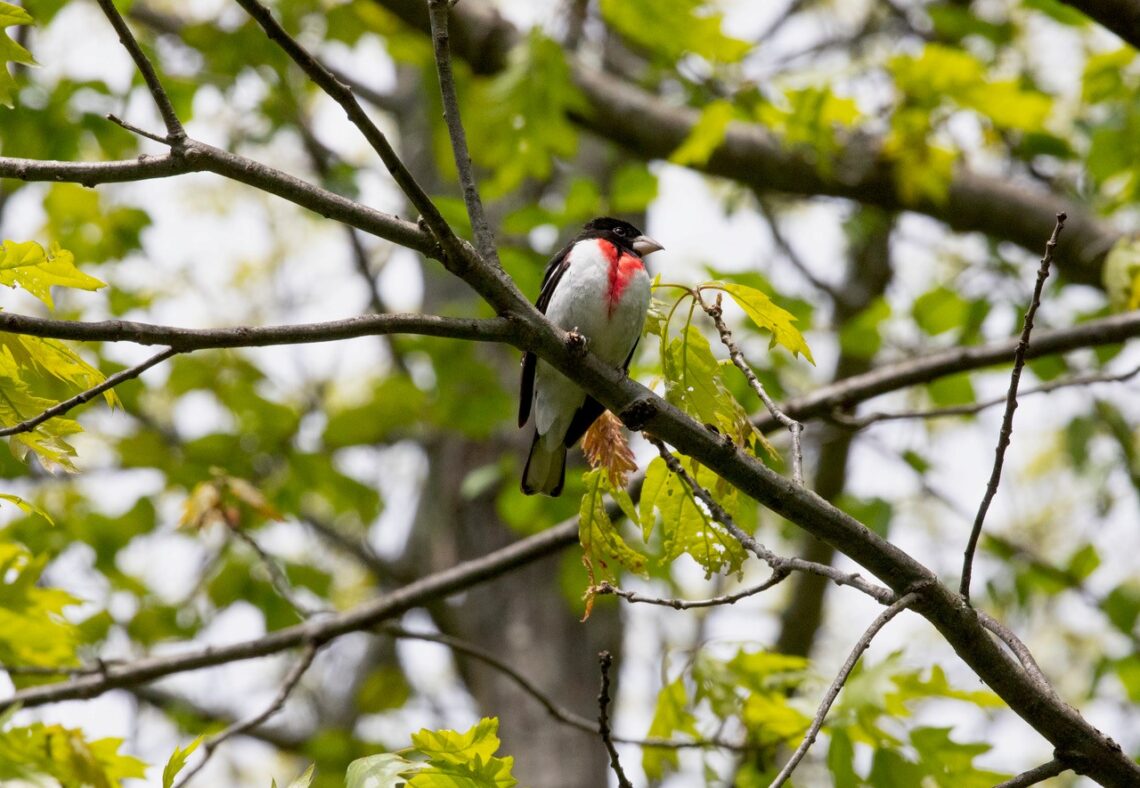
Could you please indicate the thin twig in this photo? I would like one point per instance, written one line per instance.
(794, 427)
(790, 254)
(287, 686)
(1006, 433)
(1035, 775)
(862, 645)
(46, 670)
(556, 711)
(605, 660)
(484, 239)
(777, 563)
(277, 577)
(86, 396)
(133, 129)
(1019, 649)
(859, 422)
(342, 95)
(688, 604)
(174, 129)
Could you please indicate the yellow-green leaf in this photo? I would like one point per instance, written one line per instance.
(26, 506)
(11, 51)
(767, 315)
(178, 760)
(685, 525)
(27, 264)
(604, 549)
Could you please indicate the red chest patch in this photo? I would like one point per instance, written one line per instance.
(623, 267)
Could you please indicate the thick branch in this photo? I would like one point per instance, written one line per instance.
(653, 128)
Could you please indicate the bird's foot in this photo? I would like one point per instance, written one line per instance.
(577, 343)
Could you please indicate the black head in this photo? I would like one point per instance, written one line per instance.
(622, 234)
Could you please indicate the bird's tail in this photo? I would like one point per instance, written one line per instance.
(545, 470)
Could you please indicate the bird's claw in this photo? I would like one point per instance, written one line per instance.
(577, 343)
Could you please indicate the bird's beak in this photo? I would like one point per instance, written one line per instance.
(644, 245)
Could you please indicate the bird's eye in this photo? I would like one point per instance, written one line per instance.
(619, 230)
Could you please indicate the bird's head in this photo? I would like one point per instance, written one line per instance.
(622, 234)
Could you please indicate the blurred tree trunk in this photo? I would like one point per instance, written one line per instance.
(867, 277)
(522, 617)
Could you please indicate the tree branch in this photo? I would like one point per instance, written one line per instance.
(318, 630)
(653, 128)
(860, 422)
(86, 396)
(688, 604)
(778, 563)
(793, 426)
(342, 95)
(484, 239)
(176, 134)
(1006, 434)
(292, 678)
(1035, 775)
(832, 693)
(180, 340)
(605, 660)
(901, 374)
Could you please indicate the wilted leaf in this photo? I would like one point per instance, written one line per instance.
(605, 447)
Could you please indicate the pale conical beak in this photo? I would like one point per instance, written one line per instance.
(644, 245)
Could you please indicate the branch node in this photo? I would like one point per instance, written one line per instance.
(637, 415)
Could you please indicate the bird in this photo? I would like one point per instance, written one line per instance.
(597, 286)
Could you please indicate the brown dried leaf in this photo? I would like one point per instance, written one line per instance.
(605, 446)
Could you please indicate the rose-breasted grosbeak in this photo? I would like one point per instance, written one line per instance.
(596, 285)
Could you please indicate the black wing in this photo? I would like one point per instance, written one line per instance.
(550, 279)
(590, 410)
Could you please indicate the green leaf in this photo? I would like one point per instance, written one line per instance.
(10, 51)
(1121, 274)
(861, 336)
(841, 760)
(767, 315)
(678, 27)
(939, 310)
(454, 747)
(519, 121)
(1122, 606)
(632, 189)
(770, 720)
(33, 629)
(27, 264)
(694, 383)
(706, 135)
(671, 716)
(53, 751)
(603, 549)
(178, 760)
